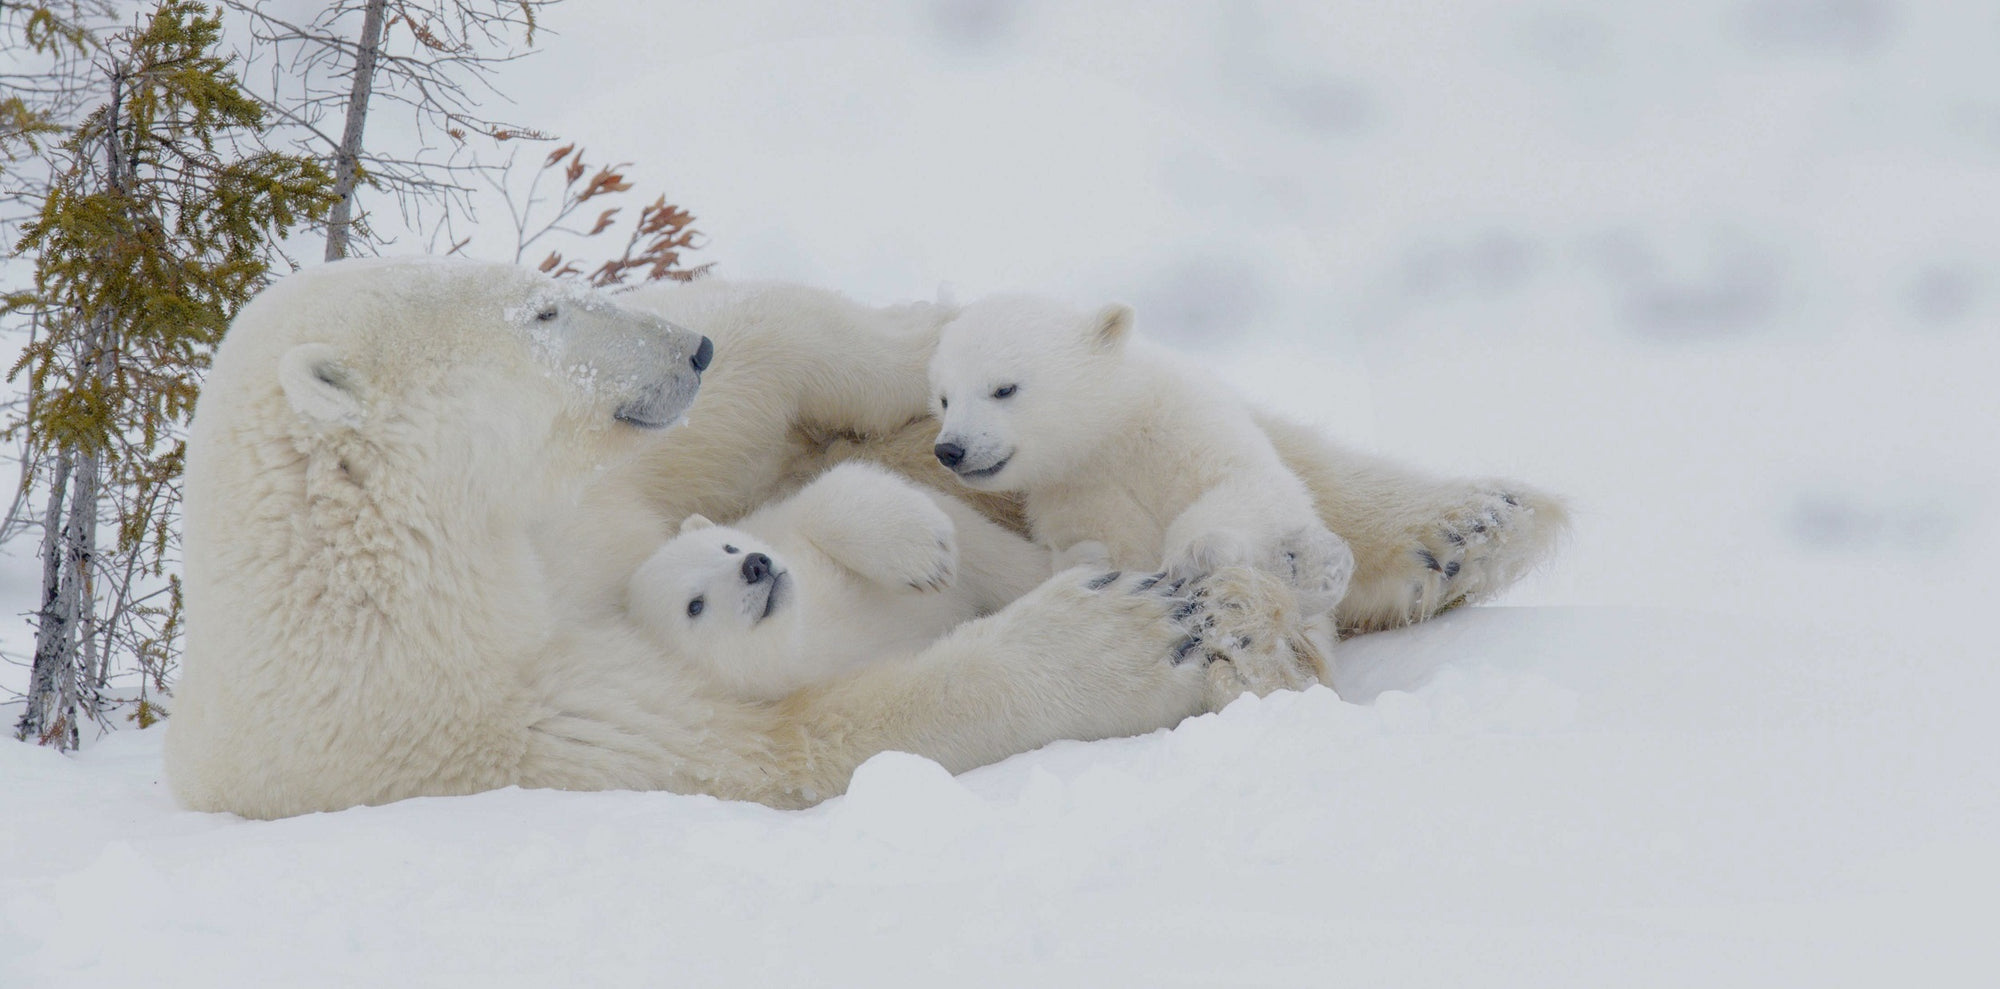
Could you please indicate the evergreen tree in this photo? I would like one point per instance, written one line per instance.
(162, 217)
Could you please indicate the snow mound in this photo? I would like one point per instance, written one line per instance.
(1502, 796)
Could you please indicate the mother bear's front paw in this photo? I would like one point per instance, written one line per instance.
(1151, 619)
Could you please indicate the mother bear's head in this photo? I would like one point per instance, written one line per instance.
(370, 450)
(398, 351)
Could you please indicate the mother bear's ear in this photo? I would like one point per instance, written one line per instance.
(320, 388)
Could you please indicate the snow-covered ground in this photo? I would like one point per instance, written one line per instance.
(1728, 273)
(1510, 796)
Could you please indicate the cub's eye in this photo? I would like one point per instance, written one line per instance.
(1004, 391)
(726, 548)
(694, 607)
(546, 314)
(943, 402)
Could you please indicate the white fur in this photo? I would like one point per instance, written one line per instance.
(415, 589)
(806, 378)
(859, 567)
(1122, 452)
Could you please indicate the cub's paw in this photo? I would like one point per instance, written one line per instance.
(1318, 564)
(1254, 637)
(928, 560)
(1089, 553)
(1215, 549)
(915, 550)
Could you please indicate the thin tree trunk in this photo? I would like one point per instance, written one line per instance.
(54, 686)
(347, 158)
(51, 621)
(65, 676)
(79, 552)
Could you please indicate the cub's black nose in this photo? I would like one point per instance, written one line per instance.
(703, 354)
(949, 454)
(756, 568)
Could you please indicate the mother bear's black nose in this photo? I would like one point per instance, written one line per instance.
(756, 568)
(703, 354)
(949, 454)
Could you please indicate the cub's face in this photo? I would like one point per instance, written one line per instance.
(1016, 385)
(713, 587)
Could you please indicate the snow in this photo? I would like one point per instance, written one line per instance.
(1531, 796)
(1723, 271)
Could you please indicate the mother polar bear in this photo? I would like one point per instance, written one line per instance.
(415, 488)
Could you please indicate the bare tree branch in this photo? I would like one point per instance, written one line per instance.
(436, 59)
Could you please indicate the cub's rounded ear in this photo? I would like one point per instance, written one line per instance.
(320, 388)
(695, 523)
(1111, 326)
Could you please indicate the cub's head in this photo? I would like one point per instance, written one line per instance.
(1016, 385)
(445, 376)
(714, 589)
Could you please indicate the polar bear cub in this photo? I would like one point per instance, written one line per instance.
(1123, 453)
(860, 566)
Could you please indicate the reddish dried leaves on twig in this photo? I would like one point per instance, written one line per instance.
(655, 241)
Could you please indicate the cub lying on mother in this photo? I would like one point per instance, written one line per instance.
(416, 488)
(859, 567)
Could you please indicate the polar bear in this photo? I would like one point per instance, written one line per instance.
(394, 489)
(859, 567)
(1121, 450)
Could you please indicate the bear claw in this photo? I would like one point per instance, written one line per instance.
(1186, 646)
